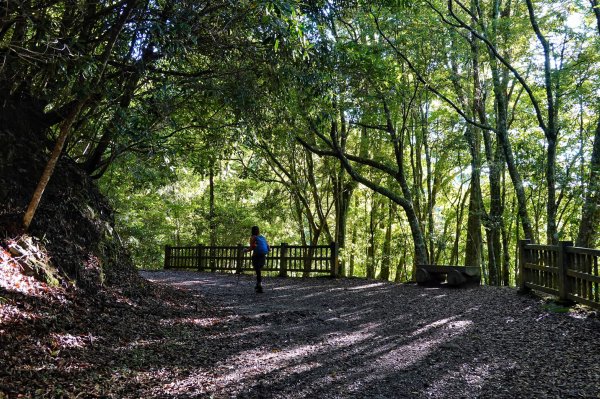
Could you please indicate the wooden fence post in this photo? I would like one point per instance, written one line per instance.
(283, 260)
(523, 258)
(201, 257)
(239, 259)
(167, 264)
(198, 252)
(563, 265)
(334, 258)
(212, 257)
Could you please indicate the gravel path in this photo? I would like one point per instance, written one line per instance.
(355, 338)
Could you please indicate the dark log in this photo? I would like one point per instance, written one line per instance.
(456, 277)
(423, 276)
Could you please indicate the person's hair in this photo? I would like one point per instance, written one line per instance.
(255, 231)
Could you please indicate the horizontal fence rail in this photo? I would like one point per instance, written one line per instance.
(284, 259)
(569, 272)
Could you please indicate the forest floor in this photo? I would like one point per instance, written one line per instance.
(209, 335)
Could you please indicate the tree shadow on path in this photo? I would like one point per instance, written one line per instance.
(360, 338)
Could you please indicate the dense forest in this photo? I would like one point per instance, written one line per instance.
(403, 133)
(425, 132)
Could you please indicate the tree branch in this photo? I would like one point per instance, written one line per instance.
(425, 83)
(504, 62)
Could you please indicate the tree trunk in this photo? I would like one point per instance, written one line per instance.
(352, 252)
(401, 266)
(310, 177)
(405, 202)
(310, 253)
(300, 218)
(342, 194)
(517, 184)
(551, 228)
(550, 128)
(421, 257)
(505, 257)
(65, 129)
(93, 161)
(596, 9)
(387, 253)
(454, 257)
(373, 215)
(431, 185)
(341, 221)
(342, 191)
(474, 239)
(499, 82)
(212, 223)
(589, 233)
(473, 135)
(93, 165)
(495, 223)
(505, 233)
(66, 125)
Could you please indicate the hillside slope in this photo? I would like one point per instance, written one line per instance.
(74, 220)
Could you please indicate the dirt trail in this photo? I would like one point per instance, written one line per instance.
(323, 338)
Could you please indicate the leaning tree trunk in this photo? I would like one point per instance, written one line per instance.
(66, 125)
(65, 129)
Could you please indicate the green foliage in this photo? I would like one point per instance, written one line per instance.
(190, 90)
(160, 205)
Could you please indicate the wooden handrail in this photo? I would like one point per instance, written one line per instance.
(284, 258)
(572, 273)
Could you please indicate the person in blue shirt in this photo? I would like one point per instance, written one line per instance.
(259, 248)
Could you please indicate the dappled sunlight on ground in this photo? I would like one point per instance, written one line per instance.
(366, 287)
(357, 338)
(13, 278)
(435, 324)
(315, 338)
(66, 340)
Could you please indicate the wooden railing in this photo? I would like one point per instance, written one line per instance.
(284, 259)
(569, 272)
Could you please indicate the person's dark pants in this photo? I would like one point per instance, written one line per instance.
(258, 262)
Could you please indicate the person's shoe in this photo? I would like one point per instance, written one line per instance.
(258, 289)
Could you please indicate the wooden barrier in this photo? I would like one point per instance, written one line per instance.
(284, 259)
(568, 272)
(454, 275)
